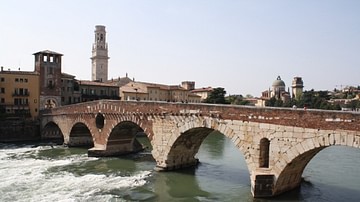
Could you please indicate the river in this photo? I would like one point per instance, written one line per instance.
(56, 173)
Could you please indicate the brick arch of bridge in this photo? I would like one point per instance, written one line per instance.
(63, 123)
(299, 155)
(81, 120)
(184, 140)
(50, 130)
(114, 120)
(66, 124)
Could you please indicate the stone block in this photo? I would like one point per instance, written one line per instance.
(350, 140)
(300, 148)
(337, 138)
(356, 143)
(343, 138)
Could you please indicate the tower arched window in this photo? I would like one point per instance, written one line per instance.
(264, 153)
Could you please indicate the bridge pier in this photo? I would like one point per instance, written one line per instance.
(262, 185)
(173, 164)
(116, 148)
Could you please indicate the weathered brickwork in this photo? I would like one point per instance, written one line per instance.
(177, 130)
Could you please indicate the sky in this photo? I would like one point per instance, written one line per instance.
(239, 45)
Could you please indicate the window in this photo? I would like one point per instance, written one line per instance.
(2, 79)
(51, 58)
(50, 84)
(45, 58)
(2, 90)
(21, 80)
(50, 70)
(25, 80)
(2, 100)
(16, 79)
(264, 153)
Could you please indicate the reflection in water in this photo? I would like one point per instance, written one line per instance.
(214, 144)
(178, 186)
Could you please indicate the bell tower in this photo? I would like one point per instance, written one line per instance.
(99, 59)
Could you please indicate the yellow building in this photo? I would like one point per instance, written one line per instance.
(19, 93)
(203, 92)
(157, 92)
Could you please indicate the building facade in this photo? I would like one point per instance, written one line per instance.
(202, 92)
(91, 90)
(157, 92)
(70, 90)
(297, 87)
(19, 93)
(99, 59)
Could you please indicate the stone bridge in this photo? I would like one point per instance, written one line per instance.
(277, 143)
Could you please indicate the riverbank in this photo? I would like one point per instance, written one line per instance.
(19, 130)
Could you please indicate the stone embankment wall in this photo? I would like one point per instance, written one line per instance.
(19, 130)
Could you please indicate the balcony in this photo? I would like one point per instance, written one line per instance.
(21, 94)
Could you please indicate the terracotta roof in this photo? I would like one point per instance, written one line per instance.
(48, 52)
(19, 72)
(67, 75)
(95, 83)
(142, 87)
(120, 81)
(207, 89)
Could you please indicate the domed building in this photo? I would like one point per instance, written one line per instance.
(278, 91)
(278, 88)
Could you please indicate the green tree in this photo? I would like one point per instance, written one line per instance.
(237, 100)
(217, 96)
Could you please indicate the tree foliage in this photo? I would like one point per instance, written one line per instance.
(237, 100)
(309, 99)
(217, 96)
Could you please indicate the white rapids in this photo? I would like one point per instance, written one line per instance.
(27, 178)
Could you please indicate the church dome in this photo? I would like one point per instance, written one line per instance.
(278, 82)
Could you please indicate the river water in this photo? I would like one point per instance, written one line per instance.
(45, 173)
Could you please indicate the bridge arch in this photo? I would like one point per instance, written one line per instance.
(184, 143)
(80, 135)
(52, 132)
(122, 139)
(303, 152)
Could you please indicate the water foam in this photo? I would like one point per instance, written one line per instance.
(25, 178)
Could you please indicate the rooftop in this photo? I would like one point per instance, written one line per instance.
(48, 52)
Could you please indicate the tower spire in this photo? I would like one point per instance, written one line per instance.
(100, 57)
